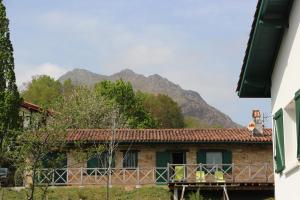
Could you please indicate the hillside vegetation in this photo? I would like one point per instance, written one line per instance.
(140, 110)
(190, 102)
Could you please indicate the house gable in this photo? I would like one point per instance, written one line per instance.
(270, 21)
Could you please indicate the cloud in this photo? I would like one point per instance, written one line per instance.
(24, 73)
(145, 55)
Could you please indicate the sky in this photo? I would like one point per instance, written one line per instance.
(197, 44)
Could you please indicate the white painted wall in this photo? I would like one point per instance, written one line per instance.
(285, 82)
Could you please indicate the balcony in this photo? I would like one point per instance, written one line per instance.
(174, 174)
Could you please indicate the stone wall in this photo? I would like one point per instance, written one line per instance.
(241, 153)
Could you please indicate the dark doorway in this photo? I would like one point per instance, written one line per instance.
(178, 158)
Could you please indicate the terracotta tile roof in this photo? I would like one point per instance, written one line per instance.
(230, 135)
(34, 108)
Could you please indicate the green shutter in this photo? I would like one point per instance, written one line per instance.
(227, 159)
(130, 159)
(279, 142)
(201, 157)
(297, 105)
(93, 162)
(162, 160)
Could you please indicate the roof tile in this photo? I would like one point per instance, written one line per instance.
(171, 135)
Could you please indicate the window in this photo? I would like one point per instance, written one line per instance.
(279, 141)
(297, 107)
(130, 159)
(99, 161)
(214, 158)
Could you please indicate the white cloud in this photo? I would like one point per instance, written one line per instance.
(24, 73)
(142, 55)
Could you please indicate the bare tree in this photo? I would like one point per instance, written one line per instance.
(81, 109)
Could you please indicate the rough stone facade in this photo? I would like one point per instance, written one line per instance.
(256, 155)
(241, 153)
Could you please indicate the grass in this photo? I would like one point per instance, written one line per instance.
(93, 193)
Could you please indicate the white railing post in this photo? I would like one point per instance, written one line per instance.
(81, 178)
(266, 171)
(110, 178)
(232, 172)
(250, 172)
(184, 172)
(201, 167)
(168, 173)
(154, 175)
(53, 175)
(123, 174)
(138, 177)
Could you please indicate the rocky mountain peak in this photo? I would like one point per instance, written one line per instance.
(191, 102)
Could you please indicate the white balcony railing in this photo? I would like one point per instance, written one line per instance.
(229, 173)
(193, 173)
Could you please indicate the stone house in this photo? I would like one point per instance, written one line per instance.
(150, 156)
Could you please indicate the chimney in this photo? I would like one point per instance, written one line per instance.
(258, 123)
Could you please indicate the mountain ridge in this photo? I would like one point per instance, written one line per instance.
(191, 102)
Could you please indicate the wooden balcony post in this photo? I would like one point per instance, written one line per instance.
(266, 171)
(138, 177)
(175, 194)
(168, 172)
(232, 172)
(81, 178)
(53, 180)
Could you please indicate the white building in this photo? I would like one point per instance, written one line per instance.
(271, 68)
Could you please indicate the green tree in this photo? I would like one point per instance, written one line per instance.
(42, 90)
(166, 111)
(9, 95)
(67, 87)
(121, 94)
(83, 108)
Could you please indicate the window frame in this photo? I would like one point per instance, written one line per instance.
(99, 164)
(126, 158)
(219, 153)
(226, 157)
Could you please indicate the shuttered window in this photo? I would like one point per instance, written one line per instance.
(162, 160)
(201, 157)
(100, 161)
(130, 159)
(297, 105)
(207, 156)
(279, 142)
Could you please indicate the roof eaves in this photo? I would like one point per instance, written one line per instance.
(275, 26)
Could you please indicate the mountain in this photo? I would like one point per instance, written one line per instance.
(191, 103)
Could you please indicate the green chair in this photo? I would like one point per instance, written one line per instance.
(179, 173)
(200, 176)
(219, 176)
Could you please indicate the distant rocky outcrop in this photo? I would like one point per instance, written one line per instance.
(191, 103)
